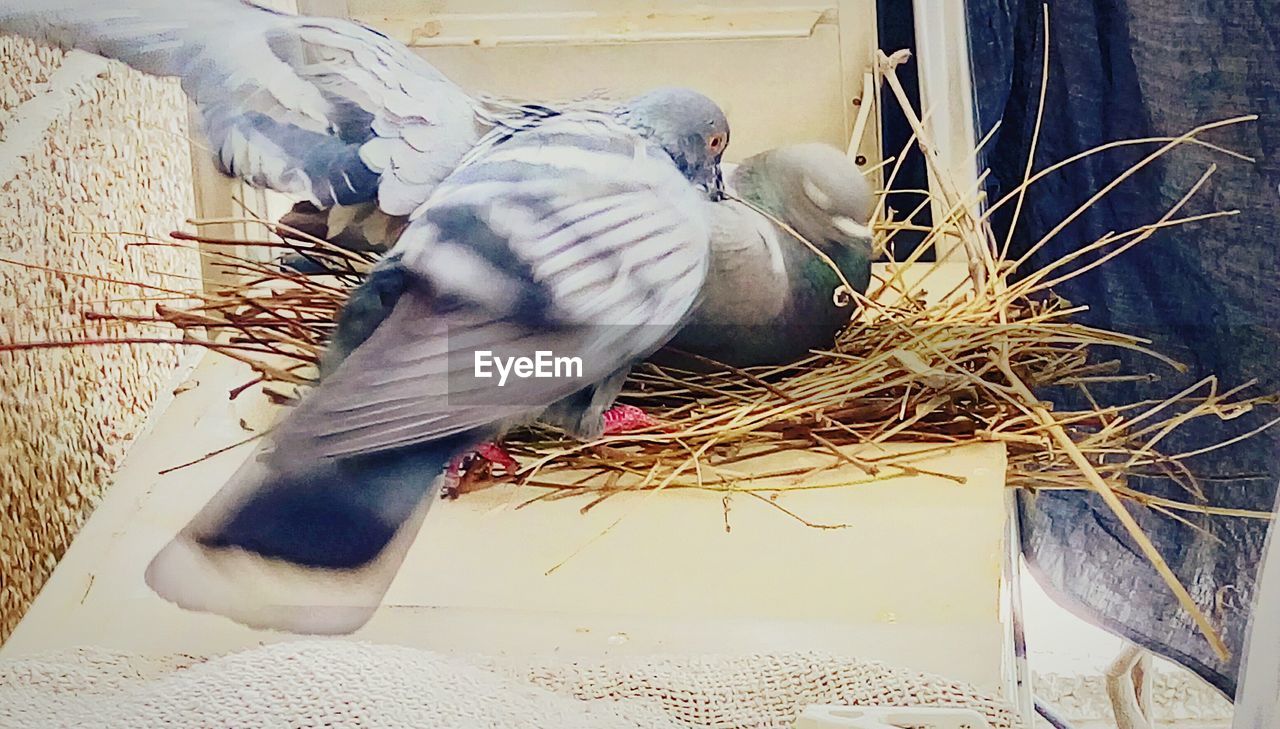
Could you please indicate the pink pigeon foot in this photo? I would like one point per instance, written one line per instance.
(467, 471)
(496, 456)
(621, 419)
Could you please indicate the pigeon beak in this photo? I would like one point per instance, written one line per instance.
(714, 189)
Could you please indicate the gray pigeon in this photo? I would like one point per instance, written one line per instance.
(579, 237)
(769, 300)
(578, 234)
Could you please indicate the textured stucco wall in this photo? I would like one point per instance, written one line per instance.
(86, 148)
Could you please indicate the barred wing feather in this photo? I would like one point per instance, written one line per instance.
(321, 109)
(538, 246)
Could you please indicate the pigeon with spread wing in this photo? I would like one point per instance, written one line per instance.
(581, 234)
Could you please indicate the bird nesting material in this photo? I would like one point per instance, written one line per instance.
(935, 368)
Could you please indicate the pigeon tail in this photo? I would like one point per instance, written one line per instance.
(309, 550)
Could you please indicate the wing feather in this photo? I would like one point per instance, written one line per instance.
(629, 259)
(288, 103)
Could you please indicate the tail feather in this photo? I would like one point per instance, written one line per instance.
(306, 550)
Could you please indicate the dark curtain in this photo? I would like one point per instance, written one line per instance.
(1206, 294)
(896, 30)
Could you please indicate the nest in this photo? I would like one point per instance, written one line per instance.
(934, 368)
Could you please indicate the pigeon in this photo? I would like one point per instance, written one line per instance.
(769, 299)
(580, 233)
(581, 237)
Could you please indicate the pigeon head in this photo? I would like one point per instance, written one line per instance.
(814, 188)
(688, 126)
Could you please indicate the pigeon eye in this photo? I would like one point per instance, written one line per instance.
(716, 143)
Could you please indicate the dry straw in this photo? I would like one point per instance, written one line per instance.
(938, 371)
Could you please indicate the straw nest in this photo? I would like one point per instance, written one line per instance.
(929, 367)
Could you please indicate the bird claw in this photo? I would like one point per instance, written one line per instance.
(467, 472)
(621, 419)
